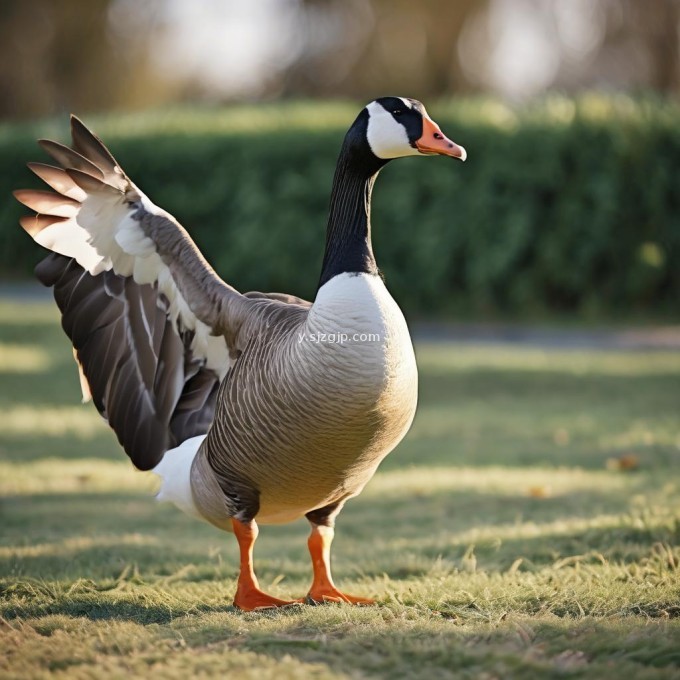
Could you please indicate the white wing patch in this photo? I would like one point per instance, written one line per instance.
(94, 224)
(70, 239)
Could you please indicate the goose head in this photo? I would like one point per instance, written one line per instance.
(387, 128)
(395, 127)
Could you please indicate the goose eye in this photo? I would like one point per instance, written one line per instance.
(397, 112)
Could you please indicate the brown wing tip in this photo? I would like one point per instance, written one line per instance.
(89, 183)
(36, 167)
(69, 158)
(47, 144)
(43, 170)
(30, 224)
(78, 124)
(34, 224)
(41, 200)
(87, 143)
(23, 195)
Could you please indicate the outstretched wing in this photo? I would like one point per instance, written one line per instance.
(138, 369)
(150, 320)
(100, 218)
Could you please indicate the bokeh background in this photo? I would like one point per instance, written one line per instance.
(123, 55)
(230, 114)
(528, 526)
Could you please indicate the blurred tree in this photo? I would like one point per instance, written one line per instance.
(103, 54)
(640, 44)
(523, 47)
(616, 44)
(57, 55)
(61, 55)
(362, 47)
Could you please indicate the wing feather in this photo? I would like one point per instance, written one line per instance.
(47, 202)
(133, 360)
(58, 179)
(68, 158)
(90, 184)
(91, 147)
(147, 316)
(34, 224)
(99, 218)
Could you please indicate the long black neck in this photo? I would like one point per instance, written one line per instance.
(348, 235)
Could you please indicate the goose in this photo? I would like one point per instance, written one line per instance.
(254, 408)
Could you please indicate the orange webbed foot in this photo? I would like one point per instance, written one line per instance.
(254, 599)
(249, 597)
(323, 589)
(332, 594)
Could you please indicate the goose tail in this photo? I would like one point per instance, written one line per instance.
(174, 470)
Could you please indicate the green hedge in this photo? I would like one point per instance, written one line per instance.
(567, 205)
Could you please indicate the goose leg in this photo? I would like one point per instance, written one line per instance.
(323, 589)
(248, 594)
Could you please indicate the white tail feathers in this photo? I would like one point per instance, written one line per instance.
(175, 473)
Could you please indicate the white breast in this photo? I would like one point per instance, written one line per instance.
(355, 322)
(354, 371)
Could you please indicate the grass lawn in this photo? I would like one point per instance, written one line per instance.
(504, 538)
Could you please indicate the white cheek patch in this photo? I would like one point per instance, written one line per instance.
(386, 137)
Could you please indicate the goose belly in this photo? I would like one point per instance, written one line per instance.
(351, 386)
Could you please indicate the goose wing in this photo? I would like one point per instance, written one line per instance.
(152, 325)
(135, 365)
(279, 297)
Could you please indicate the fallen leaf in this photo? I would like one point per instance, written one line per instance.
(539, 491)
(628, 461)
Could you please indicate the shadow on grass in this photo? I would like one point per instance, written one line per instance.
(145, 614)
(490, 417)
(97, 535)
(512, 649)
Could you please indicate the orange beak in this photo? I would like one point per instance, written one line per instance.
(434, 141)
